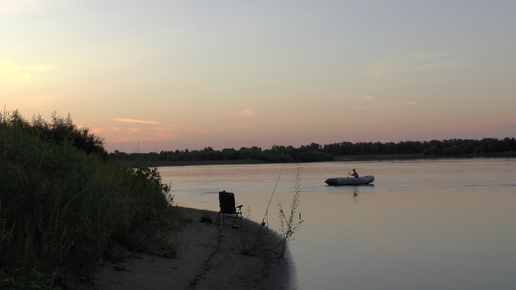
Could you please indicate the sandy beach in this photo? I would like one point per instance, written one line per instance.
(209, 257)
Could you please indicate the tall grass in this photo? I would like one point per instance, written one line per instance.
(249, 243)
(288, 224)
(63, 208)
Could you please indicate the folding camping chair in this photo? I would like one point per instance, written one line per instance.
(228, 209)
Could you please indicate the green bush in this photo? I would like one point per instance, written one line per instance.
(63, 207)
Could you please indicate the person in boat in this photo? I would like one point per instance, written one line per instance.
(355, 174)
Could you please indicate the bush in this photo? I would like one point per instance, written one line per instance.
(63, 207)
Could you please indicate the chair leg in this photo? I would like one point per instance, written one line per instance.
(217, 221)
(235, 217)
(234, 221)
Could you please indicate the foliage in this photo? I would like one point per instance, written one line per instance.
(316, 153)
(19, 278)
(63, 208)
(62, 130)
(289, 226)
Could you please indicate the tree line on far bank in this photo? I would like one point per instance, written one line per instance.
(316, 153)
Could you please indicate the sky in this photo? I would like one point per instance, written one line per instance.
(172, 75)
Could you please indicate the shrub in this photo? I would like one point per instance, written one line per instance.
(63, 207)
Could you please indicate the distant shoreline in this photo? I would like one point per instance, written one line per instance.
(422, 156)
(344, 158)
(344, 151)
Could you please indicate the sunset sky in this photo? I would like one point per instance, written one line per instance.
(167, 75)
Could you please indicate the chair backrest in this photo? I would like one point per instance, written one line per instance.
(227, 202)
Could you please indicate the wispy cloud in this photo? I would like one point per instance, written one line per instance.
(367, 98)
(136, 121)
(36, 67)
(361, 109)
(163, 133)
(246, 113)
(20, 72)
(405, 104)
(97, 131)
(16, 77)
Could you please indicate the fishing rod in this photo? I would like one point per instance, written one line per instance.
(270, 200)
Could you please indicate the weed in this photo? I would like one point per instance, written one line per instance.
(288, 224)
(249, 243)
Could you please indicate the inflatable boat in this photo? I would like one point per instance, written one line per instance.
(350, 180)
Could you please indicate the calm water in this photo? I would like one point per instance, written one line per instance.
(440, 224)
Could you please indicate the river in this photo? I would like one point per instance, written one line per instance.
(423, 224)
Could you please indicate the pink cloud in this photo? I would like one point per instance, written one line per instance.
(136, 121)
(246, 113)
(405, 104)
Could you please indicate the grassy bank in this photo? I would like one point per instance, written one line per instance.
(63, 208)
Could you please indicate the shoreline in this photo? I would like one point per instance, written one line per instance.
(209, 257)
(339, 158)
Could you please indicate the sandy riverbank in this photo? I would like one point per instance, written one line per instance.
(209, 257)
